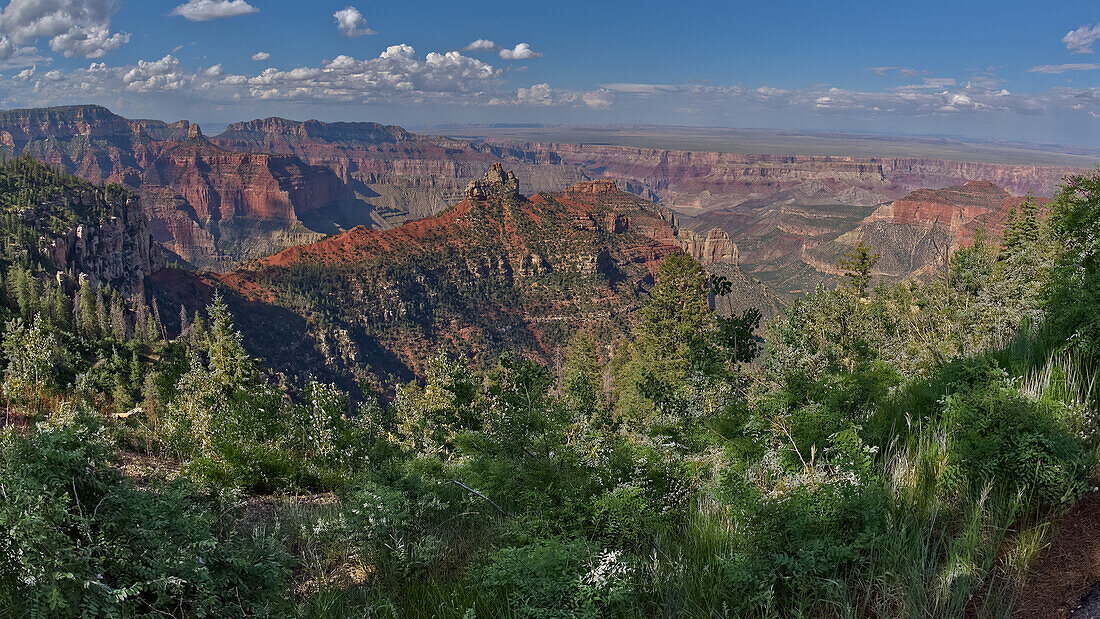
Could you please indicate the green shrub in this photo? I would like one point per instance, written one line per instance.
(81, 540)
(999, 436)
(551, 578)
(795, 550)
(408, 530)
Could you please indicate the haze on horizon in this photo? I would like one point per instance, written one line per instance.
(987, 71)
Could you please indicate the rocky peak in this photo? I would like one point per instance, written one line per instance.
(496, 183)
(194, 132)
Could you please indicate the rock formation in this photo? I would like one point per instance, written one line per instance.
(496, 271)
(495, 183)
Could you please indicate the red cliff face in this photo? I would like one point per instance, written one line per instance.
(222, 185)
(496, 270)
(415, 174)
(917, 230)
(200, 199)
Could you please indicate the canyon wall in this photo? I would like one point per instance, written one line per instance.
(694, 182)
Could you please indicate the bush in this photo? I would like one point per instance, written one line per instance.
(408, 530)
(81, 540)
(795, 550)
(998, 436)
(551, 578)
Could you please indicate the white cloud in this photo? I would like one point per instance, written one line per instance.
(206, 10)
(1062, 68)
(1080, 41)
(544, 95)
(637, 89)
(73, 27)
(537, 94)
(158, 76)
(522, 51)
(481, 45)
(597, 100)
(14, 56)
(351, 23)
(261, 56)
(91, 42)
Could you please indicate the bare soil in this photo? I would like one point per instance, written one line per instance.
(1068, 569)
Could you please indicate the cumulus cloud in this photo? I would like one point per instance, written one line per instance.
(91, 42)
(206, 10)
(1062, 68)
(261, 56)
(544, 95)
(522, 51)
(1080, 41)
(397, 75)
(14, 56)
(158, 76)
(73, 27)
(351, 23)
(481, 45)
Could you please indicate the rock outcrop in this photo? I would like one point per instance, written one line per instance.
(496, 271)
(715, 247)
(496, 183)
(912, 233)
(118, 250)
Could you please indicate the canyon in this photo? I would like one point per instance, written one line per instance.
(265, 185)
(496, 271)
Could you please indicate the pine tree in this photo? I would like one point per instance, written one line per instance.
(84, 309)
(857, 264)
(118, 318)
(228, 358)
(671, 341)
(141, 320)
(156, 327)
(101, 313)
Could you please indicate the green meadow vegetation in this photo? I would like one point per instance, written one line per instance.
(875, 451)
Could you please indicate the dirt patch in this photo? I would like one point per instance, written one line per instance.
(1068, 569)
(146, 471)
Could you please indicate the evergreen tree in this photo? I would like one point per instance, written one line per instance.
(84, 308)
(60, 308)
(185, 324)
(857, 264)
(101, 313)
(197, 332)
(228, 359)
(671, 341)
(156, 327)
(118, 318)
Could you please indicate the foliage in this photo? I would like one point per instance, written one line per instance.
(872, 454)
(81, 541)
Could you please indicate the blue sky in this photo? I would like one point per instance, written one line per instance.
(988, 70)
